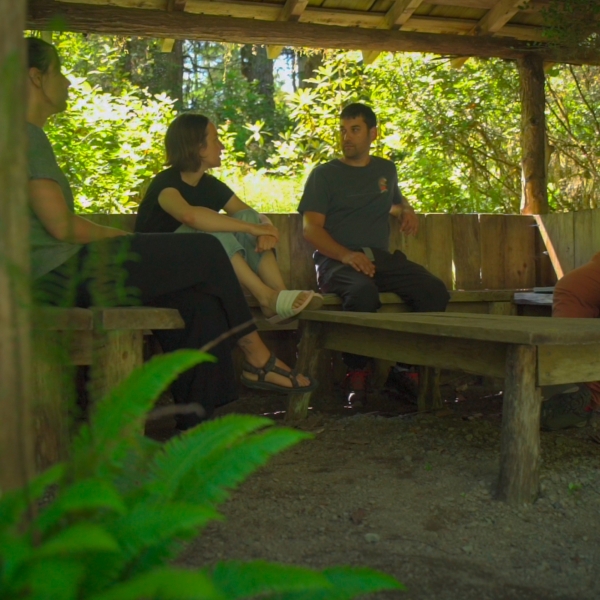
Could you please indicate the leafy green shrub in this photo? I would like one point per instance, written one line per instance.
(123, 505)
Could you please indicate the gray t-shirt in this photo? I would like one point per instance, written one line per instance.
(47, 252)
(356, 201)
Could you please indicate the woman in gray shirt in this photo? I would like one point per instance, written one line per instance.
(91, 264)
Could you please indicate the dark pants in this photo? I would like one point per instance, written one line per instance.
(188, 272)
(421, 290)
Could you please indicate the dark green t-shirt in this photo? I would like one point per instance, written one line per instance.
(356, 201)
(47, 253)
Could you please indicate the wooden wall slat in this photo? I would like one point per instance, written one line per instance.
(519, 264)
(302, 269)
(583, 237)
(415, 246)
(282, 222)
(466, 252)
(493, 251)
(557, 232)
(439, 246)
(545, 276)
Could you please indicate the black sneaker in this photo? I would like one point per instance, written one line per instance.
(567, 410)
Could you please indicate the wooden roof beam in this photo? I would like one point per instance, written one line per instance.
(494, 20)
(400, 12)
(291, 11)
(47, 14)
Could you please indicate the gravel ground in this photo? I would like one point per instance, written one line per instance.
(412, 495)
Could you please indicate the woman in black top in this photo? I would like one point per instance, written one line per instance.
(93, 264)
(186, 199)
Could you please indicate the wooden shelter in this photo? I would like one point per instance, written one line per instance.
(508, 29)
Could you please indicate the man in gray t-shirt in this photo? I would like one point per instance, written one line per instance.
(346, 206)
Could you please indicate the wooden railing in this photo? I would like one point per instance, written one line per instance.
(467, 251)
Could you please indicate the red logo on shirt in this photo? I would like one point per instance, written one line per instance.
(383, 187)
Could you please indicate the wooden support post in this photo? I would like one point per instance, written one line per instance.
(115, 355)
(534, 192)
(520, 451)
(52, 396)
(16, 431)
(430, 397)
(310, 359)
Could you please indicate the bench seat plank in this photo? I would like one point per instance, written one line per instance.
(485, 327)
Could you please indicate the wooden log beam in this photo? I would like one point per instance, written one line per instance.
(47, 14)
(534, 192)
(498, 17)
(291, 11)
(16, 422)
(168, 44)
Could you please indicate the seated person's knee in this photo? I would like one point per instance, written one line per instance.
(362, 297)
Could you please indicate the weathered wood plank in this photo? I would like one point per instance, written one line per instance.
(519, 266)
(414, 246)
(138, 317)
(439, 246)
(557, 232)
(568, 364)
(62, 319)
(282, 222)
(302, 268)
(471, 356)
(466, 252)
(493, 249)
(520, 446)
(583, 237)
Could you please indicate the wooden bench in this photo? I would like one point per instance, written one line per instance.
(528, 352)
(108, 339)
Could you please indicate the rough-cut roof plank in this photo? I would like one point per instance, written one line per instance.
(498, 17)
(400, 12)
(160, 24)
(175, 5)
(291, 11)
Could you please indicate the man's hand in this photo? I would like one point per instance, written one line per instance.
(265, 242)
(409, 222)
(359, 262)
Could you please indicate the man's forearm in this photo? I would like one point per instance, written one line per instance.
(324, 243)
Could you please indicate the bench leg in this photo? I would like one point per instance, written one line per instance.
(520, 451)
(310, 359)
(116, 355)
(430, 397)
(52, 397)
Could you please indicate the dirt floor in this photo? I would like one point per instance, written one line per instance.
(412, 495)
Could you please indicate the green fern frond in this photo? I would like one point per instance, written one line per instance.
(151, 526)
(226, 467)
(187, 452)
(81, 497)
(122, 411)
(81, 538)
(50, 579)
(259, 578)
(166, 584)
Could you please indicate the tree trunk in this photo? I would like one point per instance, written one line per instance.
(534, 194)
(16, 436)
(257, 66)
(307, 67)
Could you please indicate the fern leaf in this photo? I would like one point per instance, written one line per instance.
(79, 539)
(14, 551)
(151, 526)
(51, 579)
(245, 580)
(14, 504)
(184, 454)
(124, 408)
(346, 583)
(227, 467)
(83, 496)
(166, 584)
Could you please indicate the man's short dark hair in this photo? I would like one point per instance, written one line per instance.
(185, 136)
(356, 109)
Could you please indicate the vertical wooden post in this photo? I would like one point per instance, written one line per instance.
(534, 192)
(309, 361)
(520, 451)
(430, 397)
(16, 435)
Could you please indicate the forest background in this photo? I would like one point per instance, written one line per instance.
(453, 133)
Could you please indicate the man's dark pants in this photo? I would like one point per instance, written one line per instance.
(421, 290)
